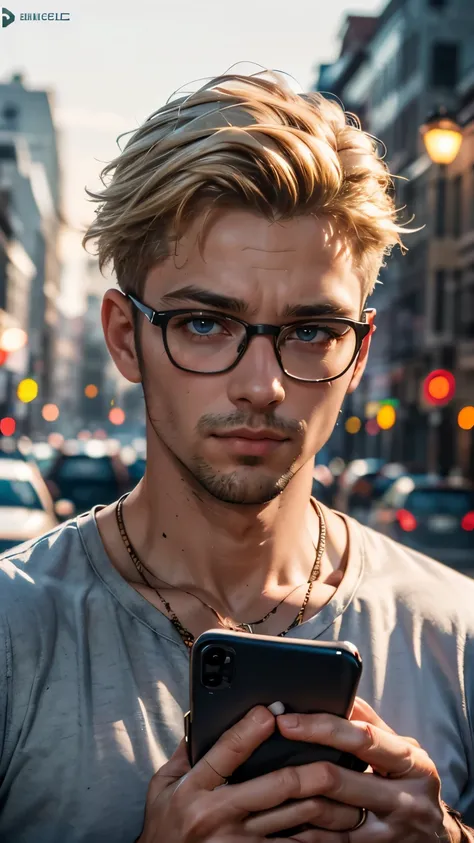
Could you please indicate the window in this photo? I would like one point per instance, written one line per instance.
(18, 493)
(457, 205)
(444, 65)
(440, 208)
(409, 57)
(440, 284)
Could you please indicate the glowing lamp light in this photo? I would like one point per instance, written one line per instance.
(50, 412)
(13, 339)
(466, 418)
(442, 138)
(116, 416)
(91, 391)
(3, 356)
(353, 425)
(439, 387)
(27, 390)
(7, 427)
(386, 417)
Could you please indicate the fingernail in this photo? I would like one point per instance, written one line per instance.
(289, 721)
(277, 708)
(260, 715)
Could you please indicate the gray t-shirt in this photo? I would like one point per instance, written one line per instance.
(94, 680)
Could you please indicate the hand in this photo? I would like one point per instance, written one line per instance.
(401, 792)
(190, 805)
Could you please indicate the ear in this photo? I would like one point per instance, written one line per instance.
(117, 324)
(364, 353)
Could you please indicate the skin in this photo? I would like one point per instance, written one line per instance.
(211, 524)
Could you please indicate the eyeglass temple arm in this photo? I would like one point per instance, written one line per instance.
(147, 311)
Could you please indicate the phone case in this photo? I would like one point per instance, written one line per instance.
(308, 677)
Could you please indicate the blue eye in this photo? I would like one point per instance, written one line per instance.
(308, 333)
(202, 326)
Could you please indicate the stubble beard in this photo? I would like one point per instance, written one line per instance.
(240, 488)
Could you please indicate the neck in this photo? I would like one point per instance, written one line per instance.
(190, 540)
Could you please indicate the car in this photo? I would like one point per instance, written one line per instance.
(430, 515)
(87, 479)
(26, 507)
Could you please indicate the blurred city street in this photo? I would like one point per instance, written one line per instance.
(401, 459)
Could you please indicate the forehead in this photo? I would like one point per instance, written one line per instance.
(239, 253)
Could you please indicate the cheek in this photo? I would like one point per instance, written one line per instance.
(176, 400)
(325, 407)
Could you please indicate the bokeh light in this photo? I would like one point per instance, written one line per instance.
(27, 390)
(372, 427)
(353, 425)
(7, 426)
(466, 418)
(13, 339)
(386, 417)
(56, 440)
(50, 412)
(439, 387)
(117, 416)
(91, 391)
(25, 445)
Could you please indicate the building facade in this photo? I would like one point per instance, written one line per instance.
(30, 177)
(397, 69)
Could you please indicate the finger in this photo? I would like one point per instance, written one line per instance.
(363, 711)
(232, 749)
(171, 772)
(319, 779)
(386, 752)
(319, 812)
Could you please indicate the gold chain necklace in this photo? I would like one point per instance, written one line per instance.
(187, 636)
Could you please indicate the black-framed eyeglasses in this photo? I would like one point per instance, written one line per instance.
(206, 342)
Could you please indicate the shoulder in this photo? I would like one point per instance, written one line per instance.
(31, 574)
(421, 584)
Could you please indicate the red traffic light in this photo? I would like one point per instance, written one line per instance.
(439, 387)
(3, 356)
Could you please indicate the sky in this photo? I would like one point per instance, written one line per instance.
(114, 63)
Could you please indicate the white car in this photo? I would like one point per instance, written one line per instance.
(26, 507)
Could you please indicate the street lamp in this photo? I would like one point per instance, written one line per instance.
(442, 137)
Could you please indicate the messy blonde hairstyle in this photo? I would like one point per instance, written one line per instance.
(248, 142)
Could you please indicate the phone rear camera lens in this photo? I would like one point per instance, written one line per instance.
(215, 657)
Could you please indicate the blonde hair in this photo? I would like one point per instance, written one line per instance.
(250, 142)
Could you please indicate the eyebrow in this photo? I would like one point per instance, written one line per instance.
(240, 306)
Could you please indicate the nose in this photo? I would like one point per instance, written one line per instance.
(257, 381)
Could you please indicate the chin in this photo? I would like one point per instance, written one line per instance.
(248, 484)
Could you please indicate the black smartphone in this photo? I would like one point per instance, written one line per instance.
(233, 672)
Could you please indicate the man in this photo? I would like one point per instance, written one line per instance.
(240, 206)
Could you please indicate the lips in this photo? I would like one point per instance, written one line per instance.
(252, 435)
(251, 443)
